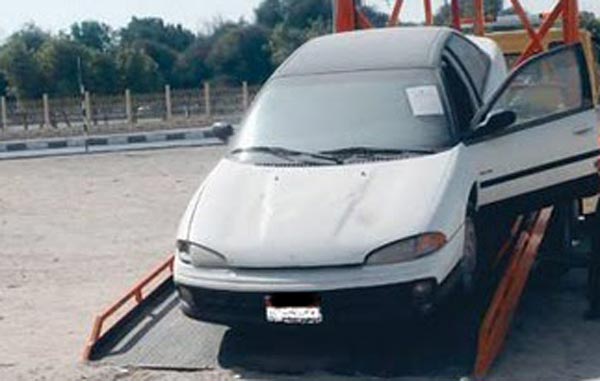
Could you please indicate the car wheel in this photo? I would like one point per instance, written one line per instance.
(557, 243)
(469, 263)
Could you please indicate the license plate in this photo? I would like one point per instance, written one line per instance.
(294, 315)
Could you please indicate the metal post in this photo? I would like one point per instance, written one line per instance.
(456, 23)
(168, 105)
(87, 104)
(395, 16)
(207, 102)
(428, 13)
(479, 18)
(571, 21)
(3, 112)
(128, 107)
(46, 103)
(345, 16)
(245, 96)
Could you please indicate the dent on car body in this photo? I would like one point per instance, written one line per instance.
(269, 217)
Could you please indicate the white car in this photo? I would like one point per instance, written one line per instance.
(352, 187)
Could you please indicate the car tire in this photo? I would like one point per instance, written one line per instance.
(470, 266)
(556, 243)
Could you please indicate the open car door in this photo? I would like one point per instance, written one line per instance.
(536, 141)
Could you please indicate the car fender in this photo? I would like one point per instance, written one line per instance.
(453, 197)
(185, 223)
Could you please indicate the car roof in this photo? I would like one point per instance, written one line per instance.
(374, 49)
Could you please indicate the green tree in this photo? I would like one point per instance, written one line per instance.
(22, 69)
(32, 36)
(138, 70)
(269, 13)
(3, 83)
(19, 63)
(301, 14)
(241, 54)
(178, 38)
(164, 56)
(164, 43)
(155, 30)
(102, 74)
(283, 41)
(92, 34)
(591, 23)
(60, 59)
(191, 68)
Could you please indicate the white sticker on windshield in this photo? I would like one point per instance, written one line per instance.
(425, 101)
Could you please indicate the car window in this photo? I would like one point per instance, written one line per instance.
(458, 96)
(474, 61)
(548, 86)
(392, 109)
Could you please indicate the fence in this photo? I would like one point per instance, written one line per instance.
(92, 114)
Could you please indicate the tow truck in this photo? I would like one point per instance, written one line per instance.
(145, 327)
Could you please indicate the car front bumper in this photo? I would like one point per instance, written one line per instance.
(348, 306)
(347, 294)
(436, 266)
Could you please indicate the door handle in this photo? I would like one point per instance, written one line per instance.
(582, 130)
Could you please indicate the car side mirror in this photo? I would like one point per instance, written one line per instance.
(495, 122)
(223, 131)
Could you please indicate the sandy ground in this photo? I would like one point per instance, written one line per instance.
(75, 232)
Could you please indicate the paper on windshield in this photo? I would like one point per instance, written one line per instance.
(425, 101)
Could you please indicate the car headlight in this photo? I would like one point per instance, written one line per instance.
(199, 256)
(407, 250)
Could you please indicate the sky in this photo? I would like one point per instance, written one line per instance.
(54, 15)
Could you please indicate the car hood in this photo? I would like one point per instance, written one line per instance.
(273, 217)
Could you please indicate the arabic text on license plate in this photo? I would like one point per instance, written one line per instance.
(294, 315)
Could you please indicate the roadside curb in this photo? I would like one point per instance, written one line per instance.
(107, 143)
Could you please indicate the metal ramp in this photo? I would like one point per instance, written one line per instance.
(157, 335)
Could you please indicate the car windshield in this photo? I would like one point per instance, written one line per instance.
(382, 112)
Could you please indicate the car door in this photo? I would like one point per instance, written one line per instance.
(549, 152)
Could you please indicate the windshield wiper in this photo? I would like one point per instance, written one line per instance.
(286, 153)
(367, 151)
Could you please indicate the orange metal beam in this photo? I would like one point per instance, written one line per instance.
(571, 21)
(428, 12)
(509, 244)
(363, 21)
(543, 31)
(395, 16)
(455, 8)
(135, 293)
(498, 318)
(479, 14)
(520, 11)
(345, 16)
